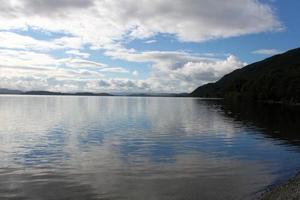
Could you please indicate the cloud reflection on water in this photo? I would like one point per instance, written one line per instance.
(130, 148)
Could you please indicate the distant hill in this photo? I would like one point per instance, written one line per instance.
(66, 94)
(273, 79)
(49, 93)
(7, 91)
(156, 95)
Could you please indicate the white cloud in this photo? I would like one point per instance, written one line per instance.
(26, 64)
(78, 53)
(102, 22)
(171, 71)
(48, 6)
(77, 63)
(11, 40)
(28, 70)
(90, 65)
(14, 58)
(150, 41)
(175, 71)
(267, 52)
(69, 42)
(107, 25)
(115, 70)
(188, 75)
(73, 85)
(135, 73)
(169, 58)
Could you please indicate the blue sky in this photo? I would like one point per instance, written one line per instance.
(152, 46)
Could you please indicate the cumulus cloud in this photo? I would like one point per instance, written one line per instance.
(14, 58)
(195, 20)
(26, 64)
(29, 70)
(11, 40)
(73, 85)
(50, 6)
(78, 53)
(171, 71)
(108, 25)
(169, 58)
(115, 70)
(188, 75)
(179, 71)
(135, 73)
(190, 20)
(15, 41)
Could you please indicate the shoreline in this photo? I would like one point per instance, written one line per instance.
(285, 191)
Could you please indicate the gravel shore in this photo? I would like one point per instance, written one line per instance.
(287, 191)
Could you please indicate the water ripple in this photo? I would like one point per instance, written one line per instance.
(141, 148)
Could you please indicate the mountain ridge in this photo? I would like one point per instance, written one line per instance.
(274, 79)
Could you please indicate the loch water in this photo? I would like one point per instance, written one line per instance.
(149, 148)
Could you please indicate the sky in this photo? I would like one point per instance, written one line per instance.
(133, 46)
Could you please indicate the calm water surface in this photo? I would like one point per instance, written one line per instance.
(61, 148)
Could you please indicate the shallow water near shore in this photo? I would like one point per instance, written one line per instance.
(85, 148)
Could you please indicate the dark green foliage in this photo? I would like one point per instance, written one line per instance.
(274, 79)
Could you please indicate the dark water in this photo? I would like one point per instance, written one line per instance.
(143, 148)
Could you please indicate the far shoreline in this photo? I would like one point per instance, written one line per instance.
(174, 95)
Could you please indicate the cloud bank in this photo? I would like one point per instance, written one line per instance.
(189, 20)
(75, 26)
